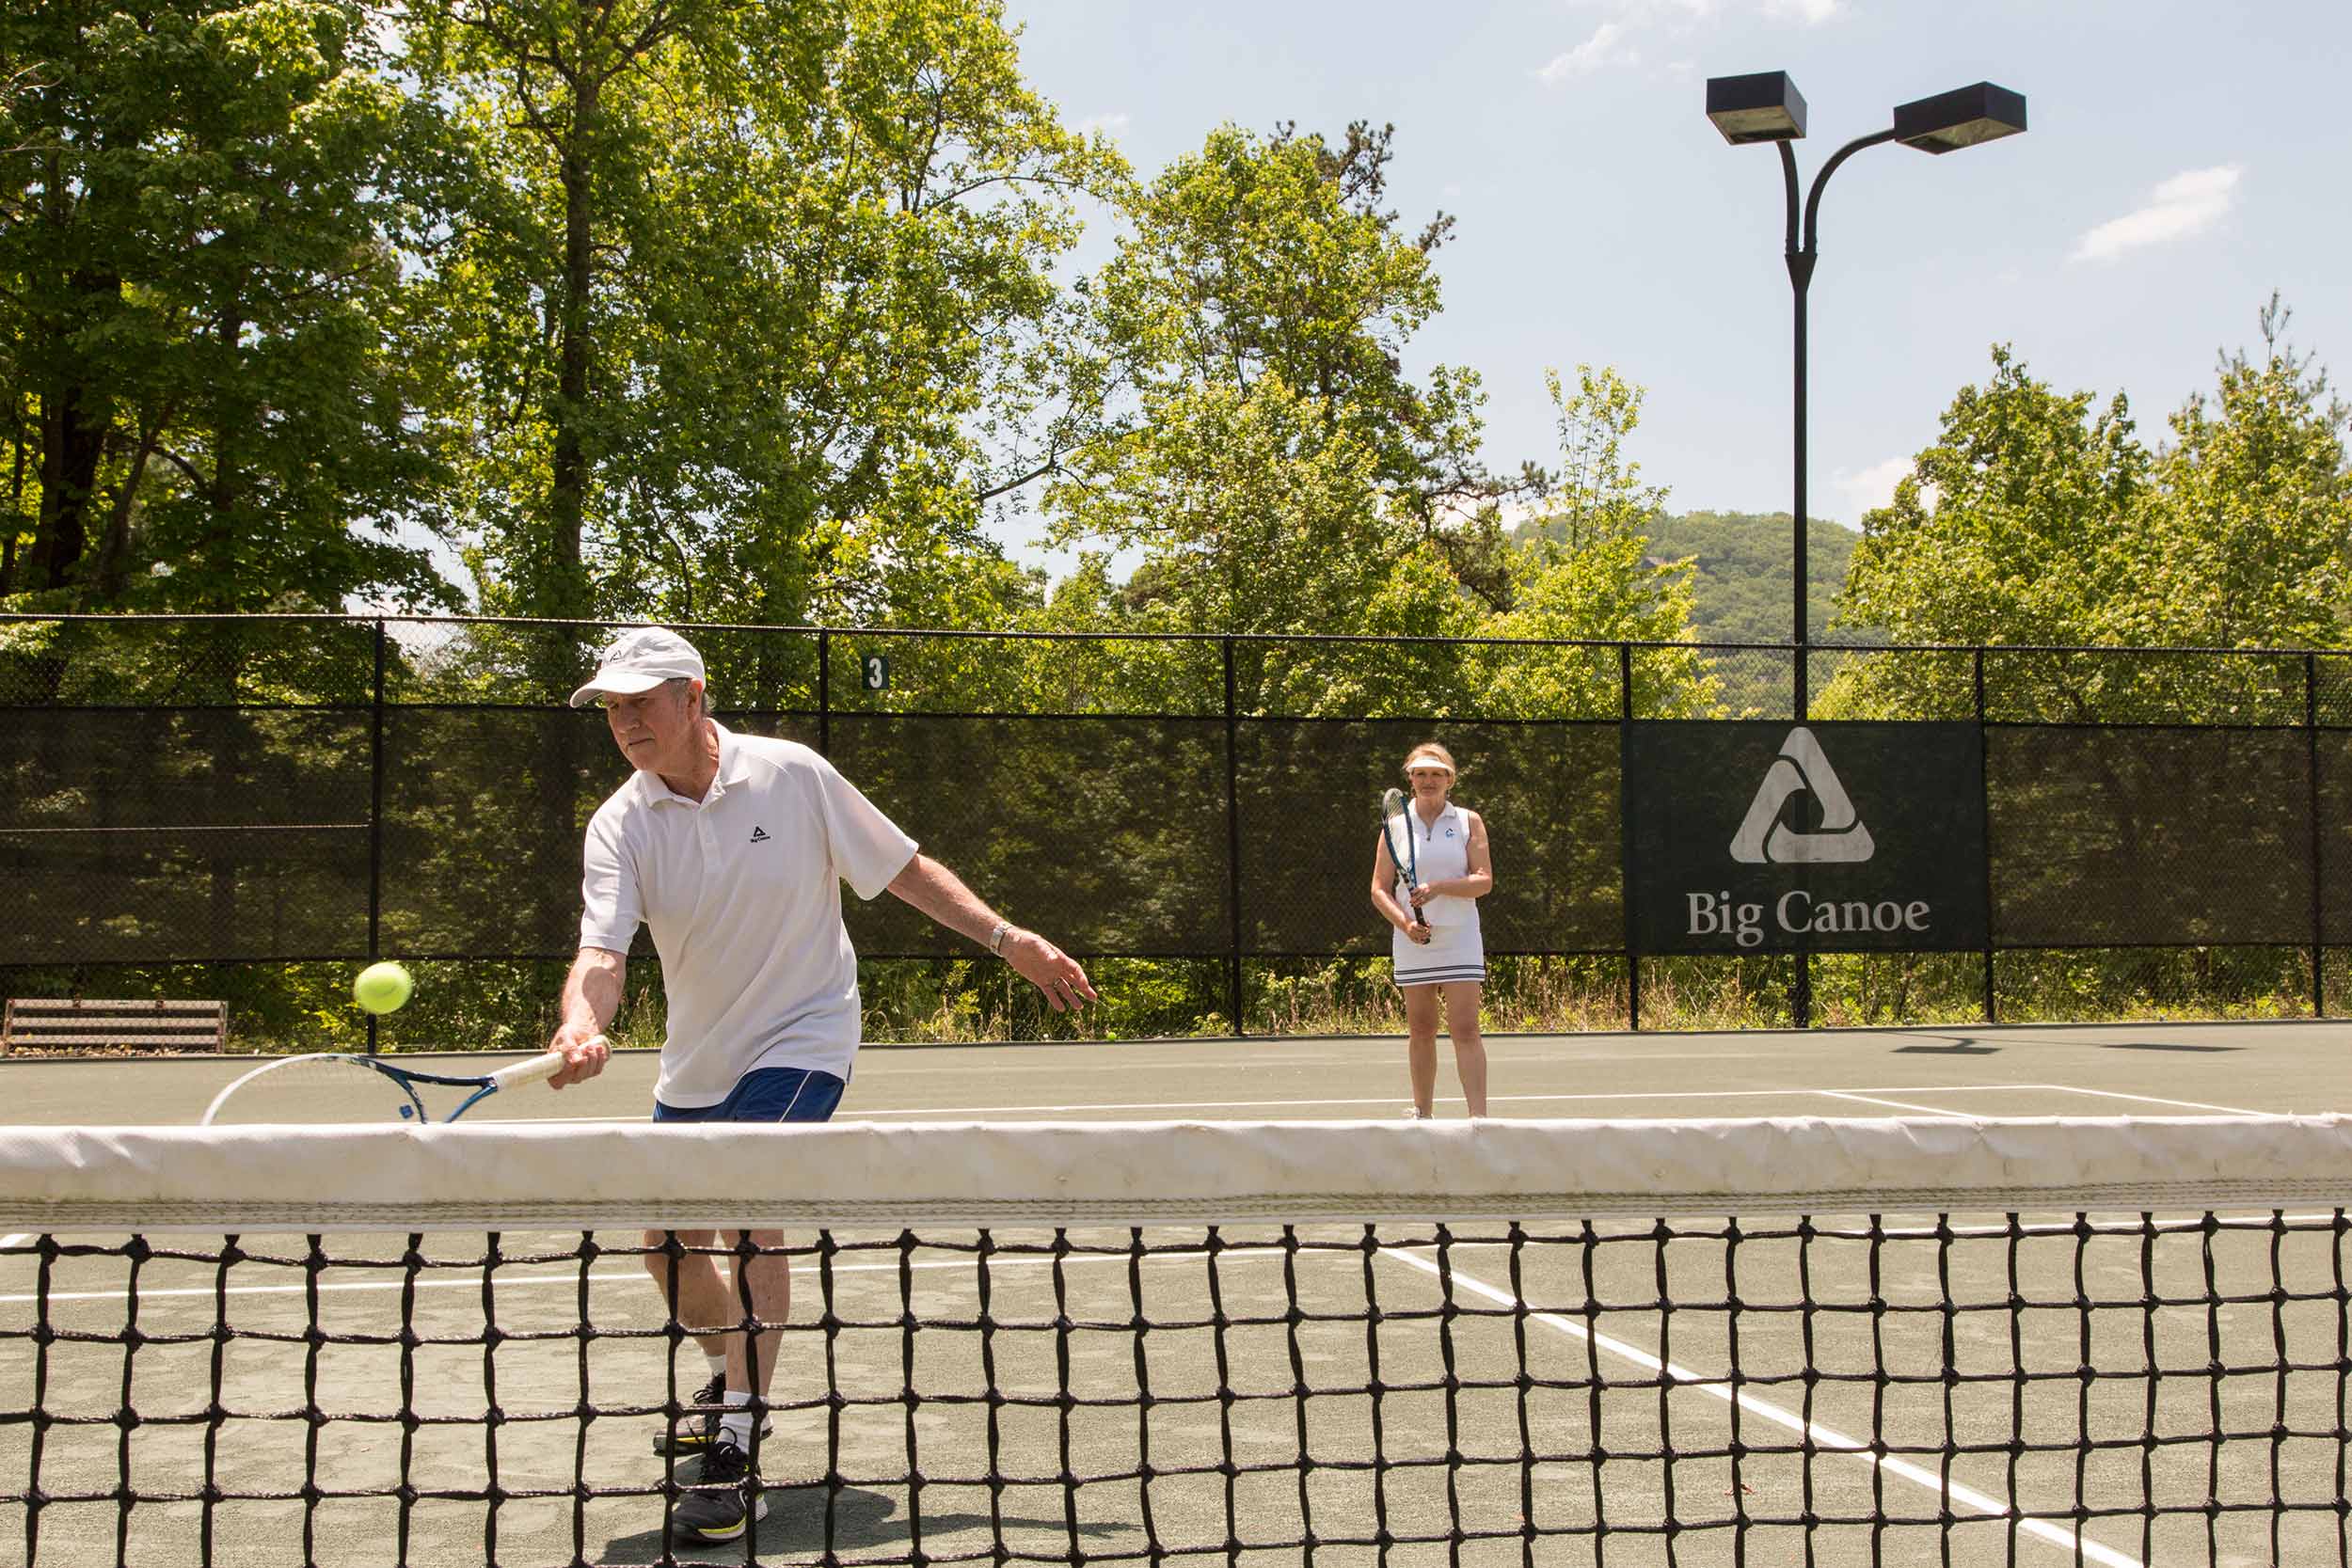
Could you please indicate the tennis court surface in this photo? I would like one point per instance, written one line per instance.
(1980, 1296)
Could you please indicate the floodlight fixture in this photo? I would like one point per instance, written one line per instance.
(1962, 117)
(1762, 108)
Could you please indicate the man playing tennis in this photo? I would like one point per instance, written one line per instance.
(733, 849)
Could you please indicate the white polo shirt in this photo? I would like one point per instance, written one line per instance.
(742, 892)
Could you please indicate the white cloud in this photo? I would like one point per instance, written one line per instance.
(1599, 49)
(1866, 489)
(2188, 203)
(1616, 41)
(1110, 124)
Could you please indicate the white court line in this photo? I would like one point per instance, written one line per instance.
(2158, 1100)
(860, 1113)
(25, 1240)
(1931, 1110)
(1813, 1431)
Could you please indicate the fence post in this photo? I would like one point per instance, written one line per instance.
(1232, 846)
(824, 692)
(1625, 838)
(1801, 984)
(376, 817)
(2311, 756)
(1985, 838)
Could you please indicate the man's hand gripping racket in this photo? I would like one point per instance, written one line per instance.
(333, 1087)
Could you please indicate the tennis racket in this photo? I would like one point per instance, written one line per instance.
(330, 1087)
(1402, 856)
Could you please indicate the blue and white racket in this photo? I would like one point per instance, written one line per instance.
(333, 1087)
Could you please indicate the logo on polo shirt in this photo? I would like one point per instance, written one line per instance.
(759, 834)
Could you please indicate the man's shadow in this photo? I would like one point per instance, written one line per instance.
(796, 1523)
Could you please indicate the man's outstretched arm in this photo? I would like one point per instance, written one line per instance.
(930, 887)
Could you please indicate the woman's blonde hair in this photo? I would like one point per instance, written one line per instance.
(1430, 751)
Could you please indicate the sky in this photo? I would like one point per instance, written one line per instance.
(2183, 161)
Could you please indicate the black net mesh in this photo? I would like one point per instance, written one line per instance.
(128, 836)
(2108, 836)
(2334, 871)
(1110, 833)
(1897, 1388)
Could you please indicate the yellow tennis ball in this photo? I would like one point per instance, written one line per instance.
(381, 988)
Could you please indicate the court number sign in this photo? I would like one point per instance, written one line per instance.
(873, 671)
(1829, 837)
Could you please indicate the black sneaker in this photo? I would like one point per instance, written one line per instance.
(696, 1426)
(713, 1509)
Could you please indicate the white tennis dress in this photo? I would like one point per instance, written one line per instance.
(1455, 950)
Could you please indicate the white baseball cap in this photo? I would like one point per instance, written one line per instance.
(640, 659)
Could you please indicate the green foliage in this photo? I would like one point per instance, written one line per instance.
(737, 287)
(1739, 563)
(2032, 520)
(201, 306)
(1259, 443)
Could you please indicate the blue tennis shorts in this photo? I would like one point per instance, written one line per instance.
(769, 1094)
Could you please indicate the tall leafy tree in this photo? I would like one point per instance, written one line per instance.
(2254, 500)
(1264, 300)
(742, 282)
(204, 208)
(2032, 520)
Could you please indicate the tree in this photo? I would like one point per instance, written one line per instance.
(202, 207)
(741, 283)
(2013, 527)
(2030, 521)
(1264, 302)
(2254, 509)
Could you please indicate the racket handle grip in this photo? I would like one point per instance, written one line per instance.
(538, 1068)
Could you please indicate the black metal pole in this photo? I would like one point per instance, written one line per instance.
(1800, 262)
(1802, 248)
(1232, 847)
(2319, 908)
(824, 693)
(1625, 807)
(1985, 841)
(376, 821)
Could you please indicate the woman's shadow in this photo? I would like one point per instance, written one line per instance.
(797, 1523)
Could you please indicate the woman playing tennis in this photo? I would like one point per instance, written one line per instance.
(1437, 944)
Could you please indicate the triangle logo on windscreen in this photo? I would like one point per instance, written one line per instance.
(1764, 839)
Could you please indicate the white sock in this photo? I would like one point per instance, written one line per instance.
(718, 1366)
(737, 1423)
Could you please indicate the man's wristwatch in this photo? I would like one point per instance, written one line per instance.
(996, 937)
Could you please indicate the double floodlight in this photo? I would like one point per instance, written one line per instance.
(1766, 107)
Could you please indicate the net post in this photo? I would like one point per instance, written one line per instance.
(1985, 838)
(1233, 844)
(1625, 838)
(2318, 841)
(376, 817)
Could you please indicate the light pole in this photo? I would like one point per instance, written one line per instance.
(1767, 107)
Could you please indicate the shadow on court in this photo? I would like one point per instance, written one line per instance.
(802, 1520)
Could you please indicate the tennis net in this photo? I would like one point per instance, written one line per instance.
(1819, 1341)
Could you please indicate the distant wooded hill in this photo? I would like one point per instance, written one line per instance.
(1742, 570)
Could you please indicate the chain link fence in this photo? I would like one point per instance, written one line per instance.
(270, 790)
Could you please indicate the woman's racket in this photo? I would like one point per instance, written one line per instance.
(1403, 858)
(343, 1088)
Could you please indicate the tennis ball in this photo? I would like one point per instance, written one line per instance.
(381, 988)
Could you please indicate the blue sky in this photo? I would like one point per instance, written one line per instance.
(2183, 160)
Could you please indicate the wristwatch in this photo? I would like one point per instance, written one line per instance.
(996, 938)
